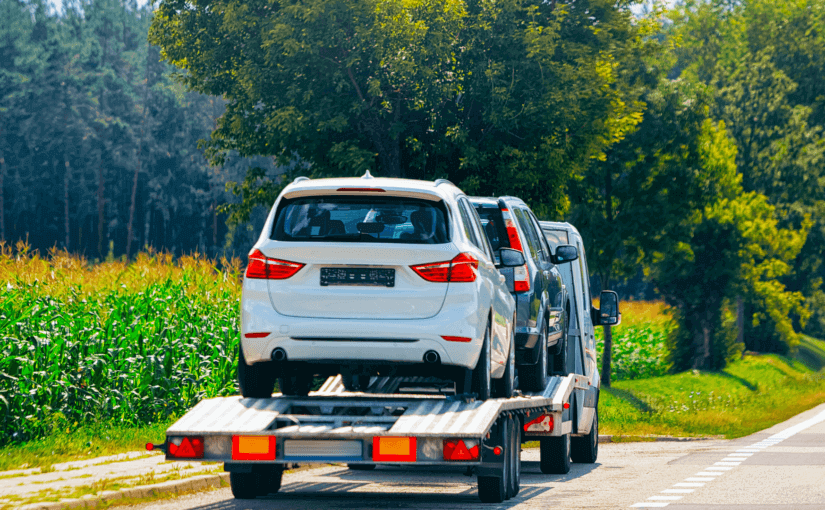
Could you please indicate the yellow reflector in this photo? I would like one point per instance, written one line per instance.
(253, 444)
(393, 449)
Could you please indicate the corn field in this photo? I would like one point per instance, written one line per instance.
(122, 342)
(638, 342)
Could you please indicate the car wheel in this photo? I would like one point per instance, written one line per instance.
(257, 380)
(560, 362)
(355, 382)
(534, 377)
(297, 385)
(482, 380)
(506, 386)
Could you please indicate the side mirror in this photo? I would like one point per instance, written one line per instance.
(608, 313)
(509, 257)
(565, 253)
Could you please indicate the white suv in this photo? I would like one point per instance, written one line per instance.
(371, 276)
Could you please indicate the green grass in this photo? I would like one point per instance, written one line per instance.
(749, 395)
(638, 342)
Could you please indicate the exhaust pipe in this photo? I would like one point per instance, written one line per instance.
(278, 354)
(432, 357)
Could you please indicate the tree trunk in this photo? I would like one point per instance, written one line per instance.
(100, 209)
(66, 177)
(607, 351)
(215, 224)
(2, 198)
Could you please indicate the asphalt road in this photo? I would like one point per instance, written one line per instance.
(779, 468)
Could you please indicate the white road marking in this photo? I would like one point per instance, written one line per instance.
(729, 462)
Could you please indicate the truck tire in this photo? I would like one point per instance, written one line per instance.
(555, 455)
(494, 489)
(585, 449)
(482, 381)
(261, 481)
(515, 465)
(361, 467)
(296, 385)
(560, 362)
(534, 377)
(505, 387)
(257, 380)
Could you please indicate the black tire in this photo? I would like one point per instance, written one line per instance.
(361, 467)
(585, 449)
(515, 460)
(355, 382)
(505, 387)
(261, 481)
(482, 381)
(296, 385)
(560, 365)
(555, 455)
(256, 380)
(494, 489)
(534, 377)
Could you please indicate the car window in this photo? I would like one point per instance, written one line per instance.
(492, 221)
(529, 233)
(556, 238)
(545, 248)
(588, 299)
(482, 234)
(361, 219)
(466, 221)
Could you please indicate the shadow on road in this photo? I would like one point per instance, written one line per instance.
(383, 488)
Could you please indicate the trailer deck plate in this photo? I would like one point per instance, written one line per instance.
(323, 450)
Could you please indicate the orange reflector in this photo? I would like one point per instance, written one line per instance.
(253, 447)
(393, 449)
(456, 338)
(457, 449)
(186, 447)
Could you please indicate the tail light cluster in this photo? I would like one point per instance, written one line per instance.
(463, 268)
(187, 447)
(460, 449)
(521, 276)
(262, 267)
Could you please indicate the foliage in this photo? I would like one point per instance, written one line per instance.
(126, 343)
(639, 341)
(502, 97)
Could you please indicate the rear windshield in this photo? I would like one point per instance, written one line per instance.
(361, 219)
(493, 223)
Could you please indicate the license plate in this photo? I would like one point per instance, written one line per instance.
(357, 276)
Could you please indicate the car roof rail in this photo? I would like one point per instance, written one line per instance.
(300, 179)
(439, 182)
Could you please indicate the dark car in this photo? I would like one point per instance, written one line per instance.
(542, 304)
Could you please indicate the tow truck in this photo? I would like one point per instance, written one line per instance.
(413, 421)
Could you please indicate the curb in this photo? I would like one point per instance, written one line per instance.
(194, 483)
(640, 439)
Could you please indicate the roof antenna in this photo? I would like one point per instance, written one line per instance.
(367, 175)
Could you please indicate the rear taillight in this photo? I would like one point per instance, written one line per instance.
(512, 231)
(521, 279)
(463, 268)
(460, 449)
(188, 447)
(262, 267)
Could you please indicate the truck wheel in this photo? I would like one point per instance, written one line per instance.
(555, 455)
(261, 481)
(494, 489)
(297, 385)
(585, 449)
(257, 380)
(361, 467)
(515, 465)
(507, 384)
(560, 365)
(534, 377)
(482, 381)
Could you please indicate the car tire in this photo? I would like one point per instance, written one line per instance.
(585, 449)
(555, 455)
(505, 387)
(482, 380)
(355, 382)
(534, 377)
(296, 385)
(560, 365)
(256, 380)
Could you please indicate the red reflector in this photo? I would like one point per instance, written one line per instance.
(262, 267)
(377, 190)
(393, 449)
(150, 447)
(567, 405)
(463, 268)
(456, 338)
(186, 447)
(253, 447)
(256, 335)
(497, 450)
(543, 423)
(456, 449)
(521, 286)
